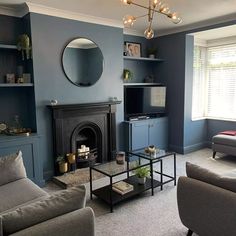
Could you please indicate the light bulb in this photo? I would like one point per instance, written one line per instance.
(164, 8)
(156, 3)
(126, 1)
(129, 20)
(149, 33)
(175, 18)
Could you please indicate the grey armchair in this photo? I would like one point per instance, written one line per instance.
(207, 202)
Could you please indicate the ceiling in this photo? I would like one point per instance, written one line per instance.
(194, 13)
(224, 32)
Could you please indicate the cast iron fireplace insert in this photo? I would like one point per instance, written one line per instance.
(90, 124)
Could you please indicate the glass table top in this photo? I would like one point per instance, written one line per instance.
(151, 156)
(112, 168)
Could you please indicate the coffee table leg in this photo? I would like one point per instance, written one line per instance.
(161, 175)
(91, 183)
(175, 169)
(151, 172)
(111, 203)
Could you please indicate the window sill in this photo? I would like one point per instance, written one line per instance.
(221, 119)
(200, 118)
(214, 118)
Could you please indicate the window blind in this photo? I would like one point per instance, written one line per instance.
(221, 82)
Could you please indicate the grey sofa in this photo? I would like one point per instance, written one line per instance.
(207, 202)
(224, 144)
(25, 209)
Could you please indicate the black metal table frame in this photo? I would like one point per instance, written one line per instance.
(151, 162)
(155, 160)
(111, 177)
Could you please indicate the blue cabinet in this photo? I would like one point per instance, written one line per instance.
(142, 133)
(29, 145)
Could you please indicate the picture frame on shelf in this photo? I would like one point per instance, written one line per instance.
(10, 78)
(132, 49)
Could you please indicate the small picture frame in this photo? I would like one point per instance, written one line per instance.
(10, 78)
(133, 49)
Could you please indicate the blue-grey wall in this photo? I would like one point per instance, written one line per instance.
(49, 37)
(185, 135)
(216, 126)
(171, 73)
(195, 132)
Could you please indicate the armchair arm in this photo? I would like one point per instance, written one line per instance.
(79, 222)
(206, 209)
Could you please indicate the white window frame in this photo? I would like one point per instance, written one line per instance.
(205, 115)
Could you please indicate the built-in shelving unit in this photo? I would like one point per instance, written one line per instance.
(16, 98)
(17, 85)
(143, 59)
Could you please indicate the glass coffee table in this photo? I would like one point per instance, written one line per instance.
(159, 156)
(134, 160)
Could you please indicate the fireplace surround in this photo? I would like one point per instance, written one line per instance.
(90, 124)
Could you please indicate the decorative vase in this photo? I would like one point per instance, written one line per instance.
(63, 167)
(120, 158)
(70, 158)
(142, 180)
(151, 55)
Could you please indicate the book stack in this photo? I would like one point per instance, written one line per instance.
(122, 187)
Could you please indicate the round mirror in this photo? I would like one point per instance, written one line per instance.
(82, 62)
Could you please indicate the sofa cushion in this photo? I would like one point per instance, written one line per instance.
(12, 168)
(59, 203)
(224, 139)
(196, 172)
(17, 193)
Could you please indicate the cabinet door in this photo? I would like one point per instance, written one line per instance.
(158, 133)
(139, 135)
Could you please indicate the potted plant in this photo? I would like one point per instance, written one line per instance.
(23, 45)
(151, 52)
(142, 173)
(127, 75)
(62, 164)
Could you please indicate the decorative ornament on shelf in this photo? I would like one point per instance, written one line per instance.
(3, 127)
(152, 150)
(155, 6)
(151, 52)
(15, 128)
(53, 102)
(23, 45)
(127, 75)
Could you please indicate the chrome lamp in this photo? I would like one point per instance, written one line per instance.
(155, 6)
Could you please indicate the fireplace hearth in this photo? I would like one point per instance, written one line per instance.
(92, 125)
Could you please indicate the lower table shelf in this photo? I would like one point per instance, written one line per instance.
(104, 192)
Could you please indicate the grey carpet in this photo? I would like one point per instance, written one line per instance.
(156, 215)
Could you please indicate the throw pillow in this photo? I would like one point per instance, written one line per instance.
(205, 175)
(12, 168)
(59, 203)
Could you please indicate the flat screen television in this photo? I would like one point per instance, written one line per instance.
(141, 101)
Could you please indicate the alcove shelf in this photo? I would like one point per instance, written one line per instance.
(8, 46)
(16, 85)
(143, 59)
(134, 84)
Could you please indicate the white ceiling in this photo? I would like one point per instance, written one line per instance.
(195, 13)
(224, 32)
